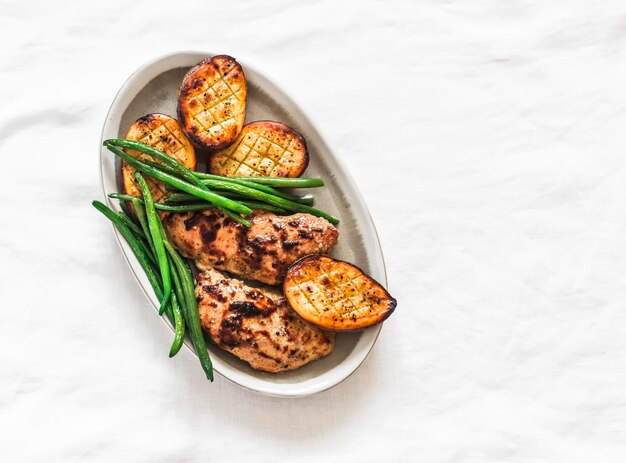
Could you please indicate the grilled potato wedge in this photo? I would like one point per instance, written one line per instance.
(165, 134)
(212, 102)
(264, 149)
(336, 295)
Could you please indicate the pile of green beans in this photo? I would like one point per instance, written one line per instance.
(233, 196)
(168, 274)
(139, 223)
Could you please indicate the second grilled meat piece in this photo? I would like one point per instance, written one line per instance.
(257, 325)
(261, 252)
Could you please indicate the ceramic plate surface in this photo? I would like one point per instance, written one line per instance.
(154, 88)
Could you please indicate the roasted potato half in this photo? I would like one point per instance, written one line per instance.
(336, 295)
(212, 102)
(264, 149)
(165, 134)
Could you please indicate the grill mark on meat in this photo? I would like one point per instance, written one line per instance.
(255, 249)
(276, 360)
(288, 245)
(214, 290)
(267, 335)
(209, 232)
(254, 294)
(246, 308)
(230, 330)
(209, 226)
(261, 241)
(193, 221)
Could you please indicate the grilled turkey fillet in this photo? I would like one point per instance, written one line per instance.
(261, 252)
(257, 325)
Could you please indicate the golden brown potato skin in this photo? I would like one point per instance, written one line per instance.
(165, 134)
(212, 102)
(263, 149)
(257, 325)
(336, 295)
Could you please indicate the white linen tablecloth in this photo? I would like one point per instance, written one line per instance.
(488, 140)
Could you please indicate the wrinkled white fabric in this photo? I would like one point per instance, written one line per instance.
(488, 140)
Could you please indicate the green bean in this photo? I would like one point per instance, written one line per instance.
(134, 244)
(157, 240)
(256, 205)
(277, 181)
(179, 198)
(261, 206)
(258, 186)
(141, 236)
(180, 184)
(191, 309)
(178, 289)
(307, 199)
(180, 298)
(130, 224)
(184, 207)
(271, 199)
(162, 167)
(140, 212)
(126, 209)
(187, 207)
(274, 191)
(125, 197)
(184, 197)
(179, 324)
(171, 163)
(228, 194)
(178, 303)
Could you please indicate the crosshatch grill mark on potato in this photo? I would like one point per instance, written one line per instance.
(212, 102)
(165, 134)
(336, 295)
(263, 149)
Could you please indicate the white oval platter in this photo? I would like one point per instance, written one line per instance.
(153, 88)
